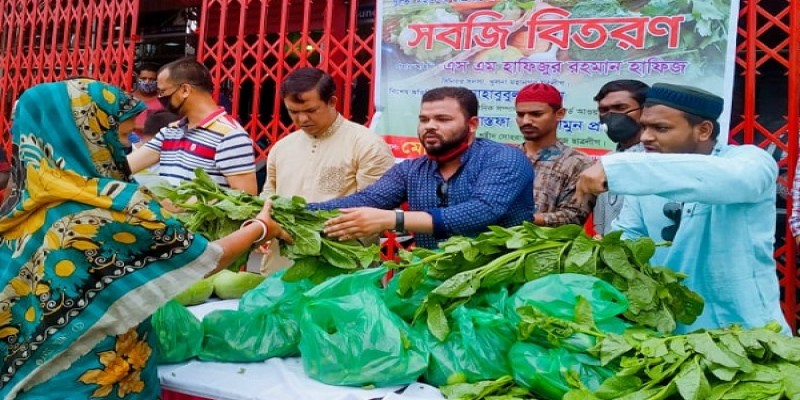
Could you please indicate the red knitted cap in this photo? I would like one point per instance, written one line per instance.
(540, 92)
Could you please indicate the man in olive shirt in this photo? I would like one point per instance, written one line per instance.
(556, 166)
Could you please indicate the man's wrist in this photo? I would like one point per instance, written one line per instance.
(399, 224)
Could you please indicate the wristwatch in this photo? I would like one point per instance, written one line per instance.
(399, 221)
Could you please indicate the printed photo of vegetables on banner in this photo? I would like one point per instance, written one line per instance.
(495, 47)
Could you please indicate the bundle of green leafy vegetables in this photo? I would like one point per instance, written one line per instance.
(729, 363)
(733, 363)
(508, 257)
(215, 212)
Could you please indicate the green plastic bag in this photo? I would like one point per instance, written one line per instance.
(179, 332)
(475, 350)
(263, 327)
(351, 338)
(494, 299)
(545, 371)
(248, 336)
(274, 293)
(558, 294)
(406, 305)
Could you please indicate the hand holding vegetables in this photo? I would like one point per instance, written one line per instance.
(360, 222)
(274, 230)
(252, 232)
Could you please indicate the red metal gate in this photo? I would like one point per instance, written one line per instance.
(44, 41)
(767, 90)
(250, 45)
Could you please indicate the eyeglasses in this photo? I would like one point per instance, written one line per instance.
(441, 193)
(673, 211)
(160, 92)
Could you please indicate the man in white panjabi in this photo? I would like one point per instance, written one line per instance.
(327, 158)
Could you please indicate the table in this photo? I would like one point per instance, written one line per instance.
(273, 379)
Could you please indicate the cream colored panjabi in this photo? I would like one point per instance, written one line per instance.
(344, 159)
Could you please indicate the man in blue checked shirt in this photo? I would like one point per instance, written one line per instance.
(463, 185)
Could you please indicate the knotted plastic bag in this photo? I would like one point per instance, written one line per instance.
(351, 338)
(263, 327)
(558, 294)
(274, 293)
(179, 332)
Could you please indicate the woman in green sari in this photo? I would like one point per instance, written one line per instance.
(88, 254)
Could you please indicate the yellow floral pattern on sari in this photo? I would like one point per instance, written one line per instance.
(85, 246)
(48, 187)
(121, 367)
(76, 247)
(92, 121)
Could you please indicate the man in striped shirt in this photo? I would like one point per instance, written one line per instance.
(205, 137)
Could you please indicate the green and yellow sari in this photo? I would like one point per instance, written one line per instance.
(88, 254)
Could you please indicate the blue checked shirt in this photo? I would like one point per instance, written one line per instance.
(494, 186)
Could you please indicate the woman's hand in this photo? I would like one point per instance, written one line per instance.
(250, 234)
(168, 205)
(274, 230)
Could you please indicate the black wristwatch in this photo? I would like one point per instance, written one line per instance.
(399, 221)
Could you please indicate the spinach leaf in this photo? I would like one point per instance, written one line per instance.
(691, 381)
(581, 257)
(303, 268)
(437, 321)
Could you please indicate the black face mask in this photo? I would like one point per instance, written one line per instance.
(165, 102)
(620, 127)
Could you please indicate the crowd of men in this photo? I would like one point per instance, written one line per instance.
(669, 178)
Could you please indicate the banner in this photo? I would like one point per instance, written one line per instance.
(495, 47)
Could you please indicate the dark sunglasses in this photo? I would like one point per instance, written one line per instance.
(441, 193)
(673, 211)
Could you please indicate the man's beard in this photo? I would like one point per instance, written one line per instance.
(446, 146)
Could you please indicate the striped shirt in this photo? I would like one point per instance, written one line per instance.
(218, 145)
